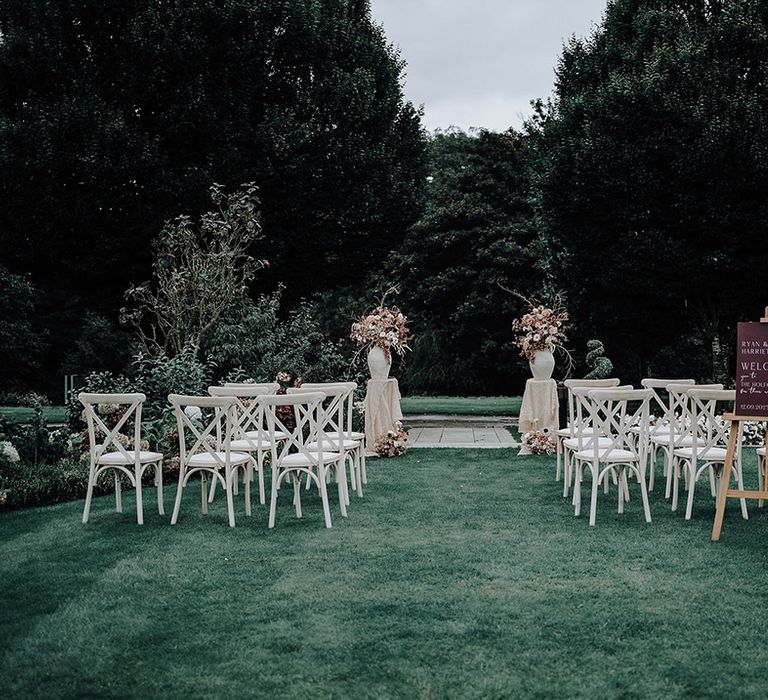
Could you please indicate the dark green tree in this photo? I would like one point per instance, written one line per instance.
(114, 117)
(476, 232)
(21, 342)
(651, 172)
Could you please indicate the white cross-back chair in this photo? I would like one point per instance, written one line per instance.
(338, 428)
(107, 453)
(292, 458)
(675, 431)
(347, 433)
(250, 435)
(209, 450)
(708, 433)
(613, 412)
(658, 433)
(583, 432)
(573, 426)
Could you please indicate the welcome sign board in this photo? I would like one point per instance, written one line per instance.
(752, 369)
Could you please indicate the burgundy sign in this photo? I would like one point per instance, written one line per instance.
(752, 370)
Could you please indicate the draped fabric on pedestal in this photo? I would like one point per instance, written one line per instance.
(382, 409)
(539, 410)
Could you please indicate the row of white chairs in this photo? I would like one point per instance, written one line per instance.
(610, 434)
(232, 432)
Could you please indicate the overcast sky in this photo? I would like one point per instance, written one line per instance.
(480, 62)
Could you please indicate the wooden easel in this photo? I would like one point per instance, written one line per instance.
(725, 479)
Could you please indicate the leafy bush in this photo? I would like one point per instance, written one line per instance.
(33, 441)
(184, 373)
(254, 342)
(24, 485)
(156, 377)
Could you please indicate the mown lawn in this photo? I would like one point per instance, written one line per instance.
(467, 405)
(460, 574)
(22, 414)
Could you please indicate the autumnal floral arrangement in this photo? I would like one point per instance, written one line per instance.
(539, 442)
(385, 327)
(542, 327)
(393, 443)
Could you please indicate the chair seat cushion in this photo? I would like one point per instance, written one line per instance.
(301, 460)
(572, 432)
(712, 454)
(206, 459)
(664, 440)
(250, 444)
(333, 444)
(119, 458)
(265, 435)
(615, 455)
(575, 443)
(354, 435)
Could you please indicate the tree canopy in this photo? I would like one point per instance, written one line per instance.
(650, 171)
(476, 232)
(116, 117)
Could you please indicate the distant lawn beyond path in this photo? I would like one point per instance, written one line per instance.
(461, 574)
(466, 405)
(22, 414)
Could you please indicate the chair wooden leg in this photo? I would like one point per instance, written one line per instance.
(620, 491)
(230, 478)
(669, 474)
(273, 497)
(247, 486)
(260, 465)
(139, 499)
(204, 491)
(691, 490)
(297, 494)
(675, 485)
(88, 496)
(646, 505)
(341, 482)
(567, 472)
(595, 488)
(118, 494)
(577, 489)
(159, 482)
(324, 496)
(179, 491)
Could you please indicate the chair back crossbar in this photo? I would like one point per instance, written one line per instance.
(612, 416)
(308, 413)
(212, 436)
(98, 429)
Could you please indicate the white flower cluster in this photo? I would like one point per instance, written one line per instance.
(9, 451)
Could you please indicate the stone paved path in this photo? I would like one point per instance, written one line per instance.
(460, 431)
